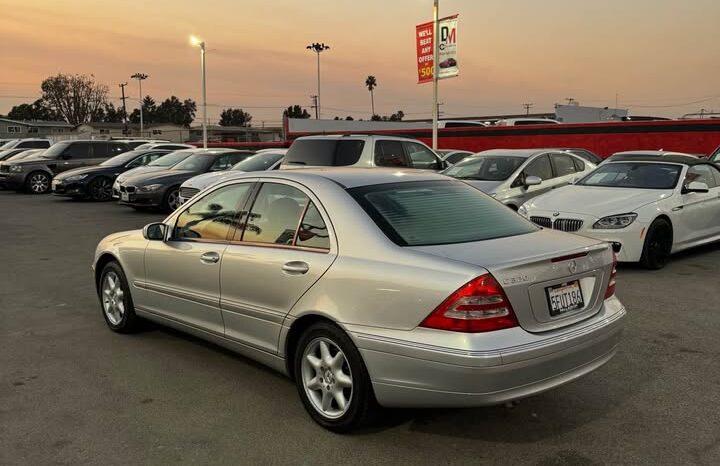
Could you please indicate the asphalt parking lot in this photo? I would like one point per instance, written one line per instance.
(73, 392)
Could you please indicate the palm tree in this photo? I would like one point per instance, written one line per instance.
(371, 84)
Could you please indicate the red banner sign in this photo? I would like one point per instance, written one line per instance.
(424, 40)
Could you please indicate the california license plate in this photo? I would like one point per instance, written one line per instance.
(565, 297)
(124, 196)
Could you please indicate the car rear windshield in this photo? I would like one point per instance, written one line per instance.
(438, 212)
(485, 167)
(634, 175)
(325, 152)
(258, 162)
(171, 159)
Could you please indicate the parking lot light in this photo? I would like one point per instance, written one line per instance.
(196, 42)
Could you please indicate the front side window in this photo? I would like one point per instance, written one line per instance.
(485, 168)
(171, 159)
(389, 154)
(421, 156)
(701, 174)
(640, 175)
(437, 212)
(275, 215)
(78, 150)
(213, 216)
(325, 152)
(563, 164)
(539, 167)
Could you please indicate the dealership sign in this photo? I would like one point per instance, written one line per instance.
(447, 49)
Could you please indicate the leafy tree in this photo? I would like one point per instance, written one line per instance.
(149, 108)
(371, 83)
(110, 114)
(296, 111)
(34, 111)
(174, 111)
(349, 118)
(398, 116)
(74, 98)
(235, 117)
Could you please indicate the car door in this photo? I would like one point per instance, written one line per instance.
(421, 157)
(538, 165)
(699, 213)
(182, 274)
(283, 250)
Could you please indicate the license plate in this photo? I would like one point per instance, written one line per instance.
(124, 196)
(565, 297)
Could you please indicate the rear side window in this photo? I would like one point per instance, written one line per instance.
(438, 212)
(312, 232)
(389, 154)
(421, 157)
(115, 148)
(325, 152)
(78, 150)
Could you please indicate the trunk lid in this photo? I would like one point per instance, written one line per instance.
(528, 265)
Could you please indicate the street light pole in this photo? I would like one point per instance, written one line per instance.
(435, 75)
(140, 78)
(317, 48)
(200, 43)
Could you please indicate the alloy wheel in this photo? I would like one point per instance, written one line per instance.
(173, 200)
(327, 378)
(101, 190)
(661, 245)
(113, 298)
(39, 183)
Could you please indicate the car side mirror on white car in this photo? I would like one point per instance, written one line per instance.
(695, 187)
(532, 180)
(155, 231)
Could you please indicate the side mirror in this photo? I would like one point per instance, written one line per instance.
(695, 187)
(532, 181)
(155, 231)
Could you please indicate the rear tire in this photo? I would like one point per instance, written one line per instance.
(658, 245)
(116, 302)
(332, 380)
(100, 189)
(37, 183)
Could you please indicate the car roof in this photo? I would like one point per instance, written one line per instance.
(352, 177)
(355, 136)
(651, 153)
(210, 151)
(684, 159)
(526, 153)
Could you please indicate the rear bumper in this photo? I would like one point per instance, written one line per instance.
(411, 374)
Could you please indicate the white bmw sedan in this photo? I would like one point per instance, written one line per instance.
(652, 206)
(371, 286)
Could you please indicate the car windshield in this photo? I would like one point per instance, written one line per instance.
(8, 144)
(55, 150)
(121, 159)
(325, 152)
(26, 154)
(485, 167)
(259, 162)
(171, 159)
(196, 163)
(634, 175)
(427, 213)
(715, 157)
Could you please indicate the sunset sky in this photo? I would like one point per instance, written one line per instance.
(660, 56)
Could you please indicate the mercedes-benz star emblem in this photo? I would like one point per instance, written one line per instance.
(572, 266)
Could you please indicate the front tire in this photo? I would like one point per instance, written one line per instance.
(100, 189)
(115, 300)
(332, 380)
(658, 245)
(37, 183)
(171, 201)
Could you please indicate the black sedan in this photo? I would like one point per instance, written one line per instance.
(161, 188)
(96, 182)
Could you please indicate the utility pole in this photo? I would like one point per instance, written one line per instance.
(315, 105)
(318, 48)
(122, 88)
(570, 100)
(438, 108)
(140, 78)
(527, 107)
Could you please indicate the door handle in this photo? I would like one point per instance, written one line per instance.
(210, 257)
(675, 209)
(295, 267)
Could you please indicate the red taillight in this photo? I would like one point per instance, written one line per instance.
(478, 306)
(611, 284)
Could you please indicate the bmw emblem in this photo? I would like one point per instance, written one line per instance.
(555, 214)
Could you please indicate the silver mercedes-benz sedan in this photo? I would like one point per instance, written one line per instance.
(371, 287)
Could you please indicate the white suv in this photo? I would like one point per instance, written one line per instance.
(355, 150)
